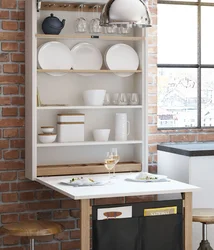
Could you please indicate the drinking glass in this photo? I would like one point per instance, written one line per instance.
(115, 98)
(109, 163)
(134, 100)
(124, 29)
(80, 24)
(122, 99)
(116, 158)
(112, 29)
(94, 26)
(107, 99)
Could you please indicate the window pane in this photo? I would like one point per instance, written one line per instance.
(207, 37)
(207, 97)
(177, 34)
(177, 97)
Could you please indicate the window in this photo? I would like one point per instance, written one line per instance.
(185, 64)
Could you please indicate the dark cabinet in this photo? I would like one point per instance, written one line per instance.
(156, 230)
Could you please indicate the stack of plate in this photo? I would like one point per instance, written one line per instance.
(122, 57)
(54, 55)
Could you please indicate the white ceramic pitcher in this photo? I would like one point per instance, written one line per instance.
(122, 127)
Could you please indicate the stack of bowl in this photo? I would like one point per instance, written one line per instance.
(48, 136)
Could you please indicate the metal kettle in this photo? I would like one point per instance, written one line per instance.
(52, 25)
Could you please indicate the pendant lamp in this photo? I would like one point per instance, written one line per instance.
(125, 12)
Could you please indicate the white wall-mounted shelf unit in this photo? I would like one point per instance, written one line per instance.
(64, 95)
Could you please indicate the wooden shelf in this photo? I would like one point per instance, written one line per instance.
(100, 37)
(90, 107)
(86, 143)
(86, 71)
(69, 169)
(60, 6)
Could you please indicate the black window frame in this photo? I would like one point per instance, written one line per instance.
(199, 66)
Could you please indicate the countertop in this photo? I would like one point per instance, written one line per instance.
(118, 187)
(188, 149)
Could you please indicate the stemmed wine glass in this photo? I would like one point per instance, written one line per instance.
(80, 24)
(109, 163)
(116, 158)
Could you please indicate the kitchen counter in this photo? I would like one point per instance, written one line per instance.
(119, 187)
(188, 149)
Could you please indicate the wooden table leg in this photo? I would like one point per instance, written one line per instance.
(85, 224)
(188, 221)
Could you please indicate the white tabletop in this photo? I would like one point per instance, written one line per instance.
(118, 187)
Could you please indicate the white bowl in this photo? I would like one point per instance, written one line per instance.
(94, 97)
(47, 138)
(47, 130)
(101, 134)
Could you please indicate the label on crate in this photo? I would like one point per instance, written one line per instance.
(114, 213)
(160, 211)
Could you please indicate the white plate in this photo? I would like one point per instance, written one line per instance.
(54, 55)
(122, 57)
(83, 181)
(86, 57)
(147, 177)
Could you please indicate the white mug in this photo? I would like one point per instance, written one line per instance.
(122, 127)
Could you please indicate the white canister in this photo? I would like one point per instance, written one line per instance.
(75, 117)
(122, 127)
(70, 131)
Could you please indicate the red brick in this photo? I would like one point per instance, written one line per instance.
(70, 204)
(11, 154)
(11, 4)
(17, 15)
(22, 69)
(4, 187)
(4, 14)
(9, 111)
(44, 195)
(22, 154)
(12, 36)
(11, 79)
(57, 195)
(21, 4)
(21, 132)
(18, 58)
(47, 246)
(18, 100)
(75, 213)
(18, 143)
(75, 234)
(45, 205)
(11, 68)
(4, 57)
(27, 216)
(0, 154)
(8, 176)
(22, 26)
(11, 240)
(11, 165)
(22, 47)
(140, 198)
(22, 90)
(44, 238)
(26, 196)
(5, 100)
(4, 144)
(25, 185)
(9, 197)
(75, 244)
(109, 201)
(21, 175)
(10, 90)
(7, 46)
(9, 218)
(21, 111)
(12, 122)
(10, 133)
(182, 138)
(61, 214)
(11, 208)
(69, 224)
(9, 25)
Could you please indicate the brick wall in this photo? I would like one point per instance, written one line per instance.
(21, 199)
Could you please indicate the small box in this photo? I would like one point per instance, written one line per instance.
(70, 127)
(71, 117)
(70, 131)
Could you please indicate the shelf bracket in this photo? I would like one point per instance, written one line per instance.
(38, 5)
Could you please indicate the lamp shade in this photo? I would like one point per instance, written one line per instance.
(119, 12)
